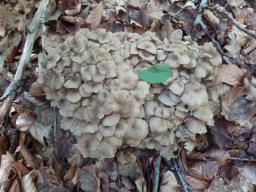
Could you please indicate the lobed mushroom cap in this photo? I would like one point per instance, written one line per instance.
(92, 78)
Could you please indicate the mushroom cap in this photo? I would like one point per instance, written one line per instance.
(108, 146)
(177, 87)
(111, 120)
(139, 129)
(194, 95)
(73, 96)
(146, 55)
(142, 90)
(72, 83)
(161, 55)
(195, 126)
(147, 46)
(52, 59)
(166, 99)
(150, 108)
(128, 80)
(107, 131)
(205, 114)
(158, 125)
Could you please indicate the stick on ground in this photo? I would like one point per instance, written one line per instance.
(235, 22)
(156, 163)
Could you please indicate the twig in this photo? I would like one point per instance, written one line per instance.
(55, 131)
(242, 159)
(235, 22)
(156, 163)
(198, 19)
(179, 175)
(10, 92)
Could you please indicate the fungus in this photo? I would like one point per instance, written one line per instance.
(111, 120)
(177, 87)
(194, 95)
(73, 96)
(52, 60)
(72, 83)
(139, 130)
(147, 46)
(94, 83)
(158, 125)
(195, 126)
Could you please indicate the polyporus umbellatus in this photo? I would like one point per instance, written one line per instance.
(92, 78)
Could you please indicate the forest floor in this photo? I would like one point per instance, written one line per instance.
(36, 153)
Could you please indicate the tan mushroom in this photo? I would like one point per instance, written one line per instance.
(111, 120)
(72, 83)
(195, 126)
(158, 125)
(177, 87)
(195, 94)
(147, 46)
(73, 96)
(92, 78)
(139, 129)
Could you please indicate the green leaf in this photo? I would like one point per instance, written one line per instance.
(157, 73)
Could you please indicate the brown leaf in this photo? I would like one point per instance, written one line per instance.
(168, 182)
(88, 180)
(30, 160)
(196, 184)
(15, 186)
(204, 170)
(5, 169)
(231, 74)
(235, 106)
(248, 172)
(48, 181)
(36, 90)
(28, 182)
(70, 173)
(94, 18)
(20, 168)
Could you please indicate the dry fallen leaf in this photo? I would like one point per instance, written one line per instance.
(235, 106)
(94, 18)
(28, 182)
(196, 184)
(237, 184)
(5, 169)
(70, 173)
(206, 170)
(230, 74)
(169, 182)
(30, 160)
(248, 172)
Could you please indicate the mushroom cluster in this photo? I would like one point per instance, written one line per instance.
(91, 77)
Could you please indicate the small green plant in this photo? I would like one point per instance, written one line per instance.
(157, 73)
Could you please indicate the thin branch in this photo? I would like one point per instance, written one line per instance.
(10, 93)
(235, 22)
(242, 159)
(199, 19)
(157, 163)
(179, 175)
